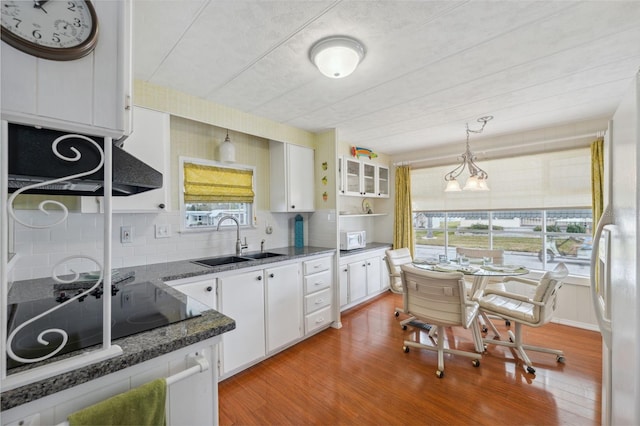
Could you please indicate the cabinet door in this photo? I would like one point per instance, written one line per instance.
(300, 178)
(242, 298)
(357, 272)
(344, 285)
(149, 142)
(89, 95)
(292, 178)
(284, 305)
(382, 181)
(202, 291)
(352, 176)
(374, 283)
(368, 186)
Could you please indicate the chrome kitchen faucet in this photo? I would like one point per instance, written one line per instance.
(239, 245)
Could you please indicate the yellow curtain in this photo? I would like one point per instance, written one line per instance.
(403, 222)
(597, 180)
(210, 184)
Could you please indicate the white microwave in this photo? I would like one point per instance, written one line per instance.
(350, 240)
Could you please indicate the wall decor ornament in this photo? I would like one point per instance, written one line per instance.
(358, 152)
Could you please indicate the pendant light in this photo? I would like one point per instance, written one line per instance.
(227, 150)
(477, 180)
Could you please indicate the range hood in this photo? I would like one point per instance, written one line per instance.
(32, 160)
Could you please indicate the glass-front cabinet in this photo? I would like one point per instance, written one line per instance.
(362, 179)
(368, 179)
(352, 176)
(382, 181)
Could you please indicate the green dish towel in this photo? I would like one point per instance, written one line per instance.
(142, 406)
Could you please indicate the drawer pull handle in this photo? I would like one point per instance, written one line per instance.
(209, 288)
(316, 266)
(319, 283)
(319, 301)
(319, 320)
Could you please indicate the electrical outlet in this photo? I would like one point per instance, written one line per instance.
(126, 234)
(126, 299)
(163, 231)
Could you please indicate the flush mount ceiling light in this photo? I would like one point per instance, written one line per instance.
(227, 150)
(477, 180)
(337, 56)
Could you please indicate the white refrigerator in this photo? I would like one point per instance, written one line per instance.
(615, 265)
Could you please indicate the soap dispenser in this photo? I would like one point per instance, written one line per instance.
(298, 232)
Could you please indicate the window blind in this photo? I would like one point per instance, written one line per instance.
(209, 184)
(548, 180)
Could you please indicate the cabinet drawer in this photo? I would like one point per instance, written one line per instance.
(317, 319)
(318, 265)
(317, 282)
(318, 300)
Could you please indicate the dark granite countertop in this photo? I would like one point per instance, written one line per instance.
(147, 345)
(368, 247)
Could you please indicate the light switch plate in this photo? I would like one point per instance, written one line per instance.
(163, 231)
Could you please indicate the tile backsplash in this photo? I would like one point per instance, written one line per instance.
(80, 238)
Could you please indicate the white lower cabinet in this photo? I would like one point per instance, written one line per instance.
(357, 279)
(202, 290)
(343, 279)
(190, 401)
(284, 305)
(362, 276)
(242, 298)
(274, 307)
(374, 275)
(318, 296)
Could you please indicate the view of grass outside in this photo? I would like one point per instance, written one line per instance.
(519, 233)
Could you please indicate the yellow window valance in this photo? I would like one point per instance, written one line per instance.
(209, 184)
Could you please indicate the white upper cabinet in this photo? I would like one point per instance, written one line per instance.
(149, 142)
(292, 177)
(90, 95)
(363, 179)
(382, 181)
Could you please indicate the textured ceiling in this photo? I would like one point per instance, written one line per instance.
(430, 66)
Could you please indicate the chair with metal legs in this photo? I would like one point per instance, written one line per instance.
(395, 259)
(522, 310)
(440, 299)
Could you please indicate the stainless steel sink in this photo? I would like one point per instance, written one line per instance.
(222, 260)
(225, 260)
(261, 255)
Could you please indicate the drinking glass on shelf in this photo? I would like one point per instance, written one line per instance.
(442, 258)
(463, 260)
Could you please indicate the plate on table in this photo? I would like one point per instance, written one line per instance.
(445, 268)
(505, 268)
(425, 261)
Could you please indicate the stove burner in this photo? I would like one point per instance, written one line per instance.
(135, 308)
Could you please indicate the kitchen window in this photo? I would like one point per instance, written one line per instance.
(564, 237)
(212, 190)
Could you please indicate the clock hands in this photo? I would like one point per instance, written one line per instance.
(39, 3)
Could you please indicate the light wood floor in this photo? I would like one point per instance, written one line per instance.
(360, 375)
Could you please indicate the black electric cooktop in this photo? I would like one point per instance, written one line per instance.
(135, 308)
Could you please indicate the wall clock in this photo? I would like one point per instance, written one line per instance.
(60, 30)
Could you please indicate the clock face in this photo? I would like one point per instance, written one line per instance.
(50, 29)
